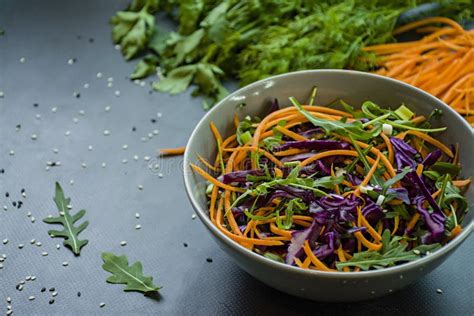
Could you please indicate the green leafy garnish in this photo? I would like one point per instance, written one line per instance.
(132, 275)
(392, 252)
(446, 167)
(145, 67)
(404, 113)
(70, 232)
(273, 257)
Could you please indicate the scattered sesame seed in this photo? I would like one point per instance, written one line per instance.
(101, 304)
(106, 132)
(2, 94)
(193, 216)
(82, 112)
(52, 289)
(144, 139)
(1, 265)
(160, 175)
(34, 136)
(140, 187)
(12, 152)
(9, 312)
(86, 85)
(9, 300)
(31, 298)
(55, 150)
(39, 244)
(18, 127)
(142, 84)
(43, 289)
(99, 75)
(108, 108)
(123, 243)
(22, 60)
(78, 294)
(103, 165)
(150, 135)
(23, 194)
(5, 241)
(44, 253)
(5, 207)
(71, 61)
(67, 133)
(32, 241)
(75, 120)
(4, 256)
(146, 158)
(58, 246)
(110, 84)
(33, 278)
(137, 215)
(117, 47)
(20, 246)
(33, 219)
(110, 79)
(83, 165)
(124, 160)
(117, 93)
(90, 148)
(138, 226)
(125, 147)
(54, 109)
(156, 132)
(38, 116)
(135, 157)
(65, 263)
(159, 114)
(439, 291)
(54, 294)
(47, 168)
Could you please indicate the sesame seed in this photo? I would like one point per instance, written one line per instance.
(209, 260)
(110, 79)
(54, 109)
(142, 84)
(5, 207)
(156, 132)
(86, 85)
(51, 301)
(101, 304)
(71, 61)
(65, 263)
(106, 132)
(138, 226)
(52, 289)
(123, 243)
(5, 241)
(47, 168)
(82, 112)
(75, 120)
(78, 294)
(58, 246)
(33, 278)
(22, 60)
(150, 135)
(439, 291)
(67, 133)
(4, 256)
(99, 75)
(103, 165)
(135, 157)
(39, 244)
(160, 175)
(193, 216)
(117, 47)
(9, 300)
(38, 116)
(28, 214)
(117, 93)
(159, 114)
(137, 215)
(12, 152)
(185, 244)
(416, 252)
(31, 298)
(124, 161)
(32, 241)
(125, 147)
(54, 294)
(108, 108)
(146, 158)
(144, 139)
(1, 259)
(44, 253)
(9, 312)
(34, 136)
(71, 182)
(83, 165)
(33, 219)
(55, 150)
(140, 187)
(2, 94)
(90, 148)
(20, 246)
(110, 84)
(1, 265)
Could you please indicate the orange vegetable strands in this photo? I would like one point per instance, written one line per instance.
(441, 63)
(172, 151)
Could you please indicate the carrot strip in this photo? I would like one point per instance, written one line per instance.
(342, 258)
(375, 235)
(274, 229)
(214, 181)
(432, 141)
(206, 163)
(316, 262)
(368, 176)
(289, 133)
(172, 151)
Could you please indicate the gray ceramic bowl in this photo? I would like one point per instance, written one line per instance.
(353, 87)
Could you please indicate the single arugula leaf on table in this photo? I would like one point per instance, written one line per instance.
(131, 275)
(70, 232)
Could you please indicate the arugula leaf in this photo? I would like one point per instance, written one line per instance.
(70, 232)
(132, 275)
(354, 129)
(395, 179)
(145, 67)
(273, 257)
(446, 167)
(392, 252)
(133, 30)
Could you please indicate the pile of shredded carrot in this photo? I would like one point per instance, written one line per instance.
(261, 229)
(441, 63)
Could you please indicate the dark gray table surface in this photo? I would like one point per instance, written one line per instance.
(49, 33)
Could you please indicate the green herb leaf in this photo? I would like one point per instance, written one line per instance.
(177, 80)
(395, 179)
(132, 275)
(446, 167)
(273, 257)
(145, 67)
(70, 232)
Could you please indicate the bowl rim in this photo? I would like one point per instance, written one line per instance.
(187, 173)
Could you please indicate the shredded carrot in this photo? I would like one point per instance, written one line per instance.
(214, 181)
(206, 163)
(342, 258)
(317, 263)
(364, 222)
(455, 231)
(290, 133)
(368, 176)
(172, 151)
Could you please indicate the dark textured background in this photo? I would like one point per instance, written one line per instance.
(47, 34)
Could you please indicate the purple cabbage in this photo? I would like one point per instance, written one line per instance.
(405, 155)
(295, 249)
(239, 176)
(310, 132)
(312, 145)
(432, 157)
(434, 222)
(400, 193)
(372, 212)
(334, 207)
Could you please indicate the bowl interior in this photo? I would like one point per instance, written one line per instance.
(353, 87)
